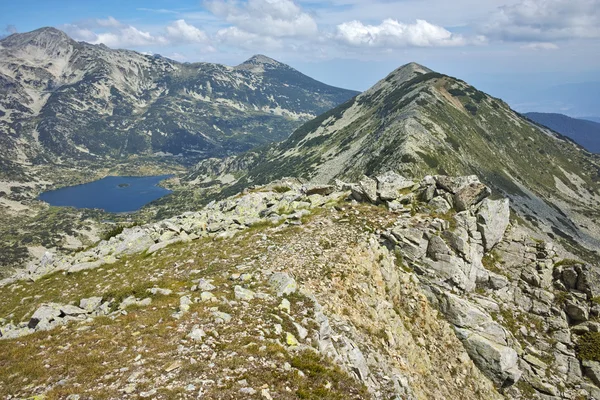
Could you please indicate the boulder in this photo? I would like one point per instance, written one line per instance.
(283, 284)
(493, 217)
(454, 184)
(162, 292)
(437, 247)
(162, 244)
(197, 334)
(440, 205)
(205, 285)
(577, 312)
(369, 189)
(90, 304)
(592, 370)
(243, 294)
(390, 185)
(69, 310)
(470, 195)
(323, 190)
(589, 281)
(499, 363)
(133, 240)
(44, 316)
(462, 313)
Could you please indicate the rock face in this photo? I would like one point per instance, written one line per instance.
(492, 220)
(468, 288)
(73, 99)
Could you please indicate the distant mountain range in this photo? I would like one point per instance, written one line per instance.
(584, 132)
(68, 99)
(594, 119)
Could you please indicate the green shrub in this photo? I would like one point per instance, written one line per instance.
(471, 108)
(456, 92)
(588, 346)
(114, 231)
(281, 189)
(567, 262)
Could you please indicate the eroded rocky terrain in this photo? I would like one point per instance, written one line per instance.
(385, 288)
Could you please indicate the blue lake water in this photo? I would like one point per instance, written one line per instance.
(113, 194)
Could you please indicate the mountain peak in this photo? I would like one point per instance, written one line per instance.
(400, 75)
(259, 62)
(43, 37)
(408, 71)
(261, 59)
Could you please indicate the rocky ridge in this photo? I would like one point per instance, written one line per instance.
(420, 122)
(511, 305)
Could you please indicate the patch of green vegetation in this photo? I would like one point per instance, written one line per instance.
(456, 92)
(561, 297)
(431, 161)
(114, 231)
(281, 189)
(567, 262)
(323, 374)
(471, 108)
(527, 391)
(588, 346)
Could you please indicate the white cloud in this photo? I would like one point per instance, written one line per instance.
(393, 34)
(79, 33)
(118, 35)
(540, 46)
(274, 18)
(236, 37)
(545, 21)
(158, 10)
(109, 22)
(129, 36)
(182, 32)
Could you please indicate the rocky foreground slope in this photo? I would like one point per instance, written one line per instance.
(65, 99)
(386, 288)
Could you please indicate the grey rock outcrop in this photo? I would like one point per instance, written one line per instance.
(492, 220)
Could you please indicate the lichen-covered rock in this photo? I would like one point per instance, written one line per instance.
(243, 294)
(453, 184)
(133, 240)
(283, 284)
(493, 218)
(470, 195)
(368, 187)
(390, 185)
(44, 316)
(499, 363)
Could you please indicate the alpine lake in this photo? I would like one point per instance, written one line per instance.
(115, 194)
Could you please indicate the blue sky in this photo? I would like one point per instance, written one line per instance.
(539, 55)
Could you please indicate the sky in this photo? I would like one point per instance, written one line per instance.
(539, 55)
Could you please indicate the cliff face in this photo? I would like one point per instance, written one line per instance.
(383, 288)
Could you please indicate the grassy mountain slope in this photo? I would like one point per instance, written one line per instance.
(421, 122)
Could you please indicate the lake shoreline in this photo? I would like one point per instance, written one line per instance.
(112, 194)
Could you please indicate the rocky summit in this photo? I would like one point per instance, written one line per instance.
(64, 99)
(382, 288)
